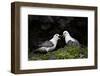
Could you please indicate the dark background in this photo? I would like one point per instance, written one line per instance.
(41, 28)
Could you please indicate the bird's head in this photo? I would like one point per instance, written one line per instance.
(57, 36)
(65, 33)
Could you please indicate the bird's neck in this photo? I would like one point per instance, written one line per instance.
(69, 38)
(54, 41)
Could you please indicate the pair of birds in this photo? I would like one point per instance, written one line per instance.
(52, 43)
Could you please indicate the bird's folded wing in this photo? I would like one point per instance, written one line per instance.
(46, 44)
(74, 43)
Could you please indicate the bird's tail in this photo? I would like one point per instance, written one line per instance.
(36, 50)
(40, 50)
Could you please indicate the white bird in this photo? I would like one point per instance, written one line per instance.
(49, 45)
(70, 40)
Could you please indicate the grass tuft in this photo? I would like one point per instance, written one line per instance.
(68, 52)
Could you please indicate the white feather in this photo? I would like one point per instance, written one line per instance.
(54, 40)
(67, 37)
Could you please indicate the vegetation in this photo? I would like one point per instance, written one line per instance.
(68, 52)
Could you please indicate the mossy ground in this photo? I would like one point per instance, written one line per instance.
(68, 52)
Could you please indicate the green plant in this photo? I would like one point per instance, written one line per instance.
(68, 52)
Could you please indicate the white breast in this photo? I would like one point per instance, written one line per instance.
(67, 38)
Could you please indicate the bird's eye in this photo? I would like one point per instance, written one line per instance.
(57, 35)
(64, 32)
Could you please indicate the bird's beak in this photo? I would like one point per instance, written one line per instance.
(63, 36)
(60, 36)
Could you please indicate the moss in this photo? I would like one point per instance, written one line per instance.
(68, 52)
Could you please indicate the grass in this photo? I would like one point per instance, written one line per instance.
(68, 52)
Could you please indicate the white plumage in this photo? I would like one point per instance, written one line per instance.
(70, 40)
(49, 45)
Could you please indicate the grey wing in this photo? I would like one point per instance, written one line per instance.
(70, 43)
(46, 44)
(77, 42)
(73, 43)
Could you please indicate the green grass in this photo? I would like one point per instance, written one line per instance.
(68, 52)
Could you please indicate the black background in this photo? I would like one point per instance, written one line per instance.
(41, 28)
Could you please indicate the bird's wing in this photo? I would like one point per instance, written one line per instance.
(77, 41)
(74, 43)
(70, 42)
(46, 44)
